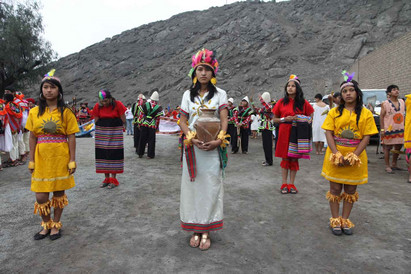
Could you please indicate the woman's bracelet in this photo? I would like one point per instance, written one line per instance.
(31, 165)
(190, 136)
(72, 165)
(223, 137)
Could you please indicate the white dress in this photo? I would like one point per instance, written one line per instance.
(201, 201)
(255, 121)
(318, 119)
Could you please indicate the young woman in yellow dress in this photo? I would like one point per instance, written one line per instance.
(348, 130)
(52, 128)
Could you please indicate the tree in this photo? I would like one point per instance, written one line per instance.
(22, 46)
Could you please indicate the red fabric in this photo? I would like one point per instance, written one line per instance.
(294, 165)
(109, 112)
(280, 110)
(291, 186)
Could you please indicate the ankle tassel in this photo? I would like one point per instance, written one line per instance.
(333, 198)
(47, 225)
(347, 223)
(351, 198)
(57, 225)
(59, 202)
(335, 222)
(42, 209)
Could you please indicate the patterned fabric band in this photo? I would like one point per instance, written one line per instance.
(51, 139)
(346, 142)
(346, 85)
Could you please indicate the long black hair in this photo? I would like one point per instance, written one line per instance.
(299, 99)
(358, 101)
(60, 99)
(195, 88)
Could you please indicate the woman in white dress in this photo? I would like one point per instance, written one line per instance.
(255, 121)
(320, 112)
(201, 200)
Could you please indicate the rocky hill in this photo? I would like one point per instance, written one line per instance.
(258, 45)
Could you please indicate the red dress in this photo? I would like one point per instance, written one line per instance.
(281, 110)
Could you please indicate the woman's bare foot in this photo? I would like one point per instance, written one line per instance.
(205, 242)
(195, 240)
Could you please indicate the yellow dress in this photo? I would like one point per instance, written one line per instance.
(407, 128)
(347, 136)
(52, 152)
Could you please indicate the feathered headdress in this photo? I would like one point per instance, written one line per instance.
(204, 57)
(50, 75)
(347, 78)
(294, 78)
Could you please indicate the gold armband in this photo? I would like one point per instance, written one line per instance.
(223, 137)
(335, 158)
(353, 159)
(191, 135)
(31, 165)
(71, 165)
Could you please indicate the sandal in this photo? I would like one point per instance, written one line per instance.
(292, 189)
(105, 183)
(335, 225)
(347, 226)
(196, 239)
(284, 189)
(204, 239)
(389, 170)
(114, 183)
(397, 168)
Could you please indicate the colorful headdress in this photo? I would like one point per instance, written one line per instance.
(347, 78)
(104, 94)
(204, 57)
(50, 75)
(294, 78)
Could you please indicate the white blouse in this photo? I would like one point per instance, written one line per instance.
(192, 109)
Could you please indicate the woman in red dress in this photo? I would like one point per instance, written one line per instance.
(285, 112)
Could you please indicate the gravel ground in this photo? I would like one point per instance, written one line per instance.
(135, 228)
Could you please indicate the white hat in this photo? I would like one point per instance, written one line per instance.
(144, 97)
(231, 100)
(246, 99)
(266, 97)
(154, 96)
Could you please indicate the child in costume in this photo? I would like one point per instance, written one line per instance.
(201, 200)
(348, 130)
(266, 128)
(52, 127)
(291, 111)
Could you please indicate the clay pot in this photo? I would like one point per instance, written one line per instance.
(207, 125)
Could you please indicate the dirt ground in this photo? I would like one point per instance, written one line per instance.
(135, 228)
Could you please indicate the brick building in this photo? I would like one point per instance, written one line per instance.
(389, 64)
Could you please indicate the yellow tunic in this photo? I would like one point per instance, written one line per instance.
(345, 126)
(50, 158)
(407, 128)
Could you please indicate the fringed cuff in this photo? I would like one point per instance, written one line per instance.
(191, 135)
(59, 202)
(285, 164)
(333, 198)
(57, 225)
(351, 198)
(346, 223)
(47, 225)
(353, 159)
(335, 222)
(335, 158)
(223, 137)
(42, 209)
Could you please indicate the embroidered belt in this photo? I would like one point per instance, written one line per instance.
(51, 139)
(346, 142)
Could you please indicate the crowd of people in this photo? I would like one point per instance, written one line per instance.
(46, 135)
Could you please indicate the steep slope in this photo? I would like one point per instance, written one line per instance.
(258, 45)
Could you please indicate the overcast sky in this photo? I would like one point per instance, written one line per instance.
(72, 25)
